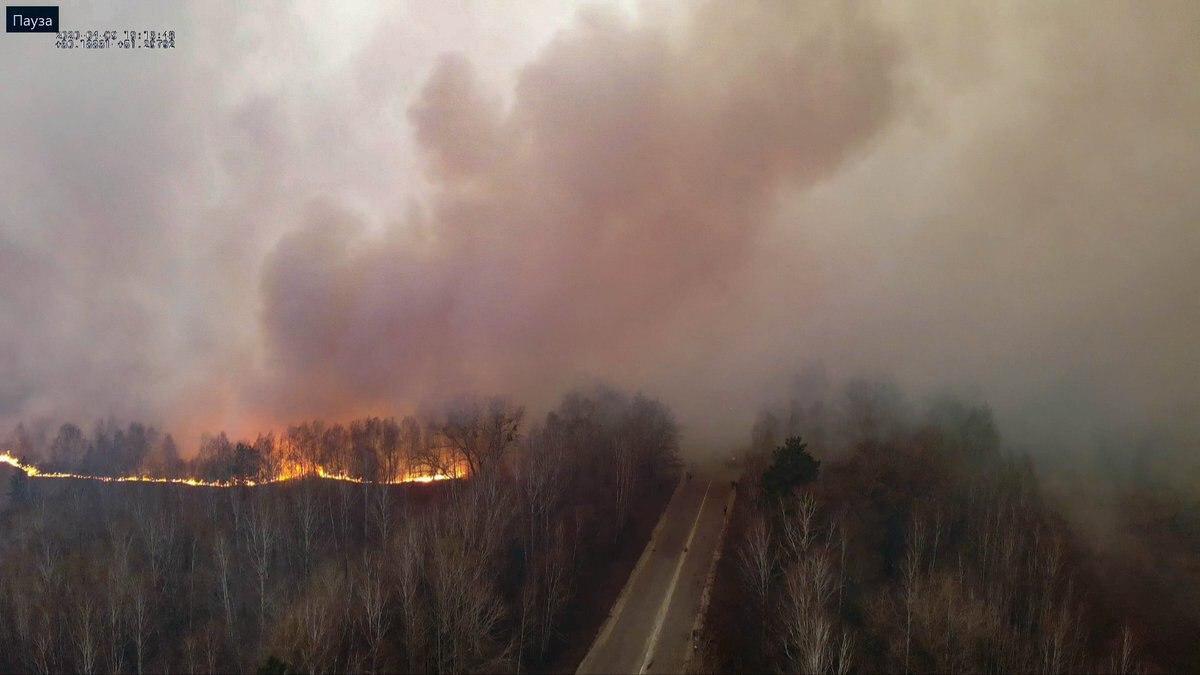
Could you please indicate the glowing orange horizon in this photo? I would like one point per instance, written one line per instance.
(287, 473)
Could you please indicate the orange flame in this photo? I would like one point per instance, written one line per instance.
(288, 472)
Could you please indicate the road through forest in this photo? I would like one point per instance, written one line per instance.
(649, 629)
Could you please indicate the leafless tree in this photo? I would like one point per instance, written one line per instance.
(540, 472)
(555, 584)
(235, 508)
(379, 510)
(481, 434)
(314, 619)
(210, 650)
(115, 600)
(223, 557)
(467, 610)
(412, 441)
(21, 615)
(651, 428)
(409, 554)
(373, 600)
(626, 468)
(845, 654)
(1123, 659)
(48, 564)
(261, 536)
(157, 527)
(757, 559)
(810, 638)
(189, 653)
(84, 636)
(345, 493)
(44, 643)
(799, 529)
(140, 624)
(307, 521)
(911, 575)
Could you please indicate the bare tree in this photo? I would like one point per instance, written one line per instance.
(626, 468)
(554, 574)
(210, 650)
(655, 437)
(140, 623)
(189, 653)
(379, 510)
(313, 618)
(467, 609)
(261, 536)
(21, 616)
(307, 521)
(481, 434)
(1123, 658)
(84, 635)
(809, 631)
(757, 559)
(342, 526)
(845, 655)
(373, 599)
(539, 476)
(409, 553)
(799, 529)
(114, 620)
(910, 578)
(157, 527)
(45, 643)
(223, 557)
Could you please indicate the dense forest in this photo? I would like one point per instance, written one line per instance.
(872, 535)
(869, 535)
(312, 575)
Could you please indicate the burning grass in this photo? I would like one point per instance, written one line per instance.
(286, 472)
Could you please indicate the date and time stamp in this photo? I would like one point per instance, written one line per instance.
(44, 19)
(112, 39)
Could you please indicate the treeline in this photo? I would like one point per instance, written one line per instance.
(324, 576)
(917, 544)
(373, 448)
(110, 450)
(456, 440)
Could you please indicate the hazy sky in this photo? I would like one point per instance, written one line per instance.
(313, 209)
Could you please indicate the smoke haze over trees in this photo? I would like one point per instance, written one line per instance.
(925, 544)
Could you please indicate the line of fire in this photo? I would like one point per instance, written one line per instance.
(288, 471)
(371, 450)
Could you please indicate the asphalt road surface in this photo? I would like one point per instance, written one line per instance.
(649, 629)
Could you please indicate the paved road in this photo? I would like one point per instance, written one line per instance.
(650, 627)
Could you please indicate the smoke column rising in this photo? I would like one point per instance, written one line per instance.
(631, 172)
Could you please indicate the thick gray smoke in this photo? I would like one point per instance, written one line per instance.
(276, 222)
(631, 173)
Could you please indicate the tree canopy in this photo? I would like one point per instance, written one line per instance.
(790, 468)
